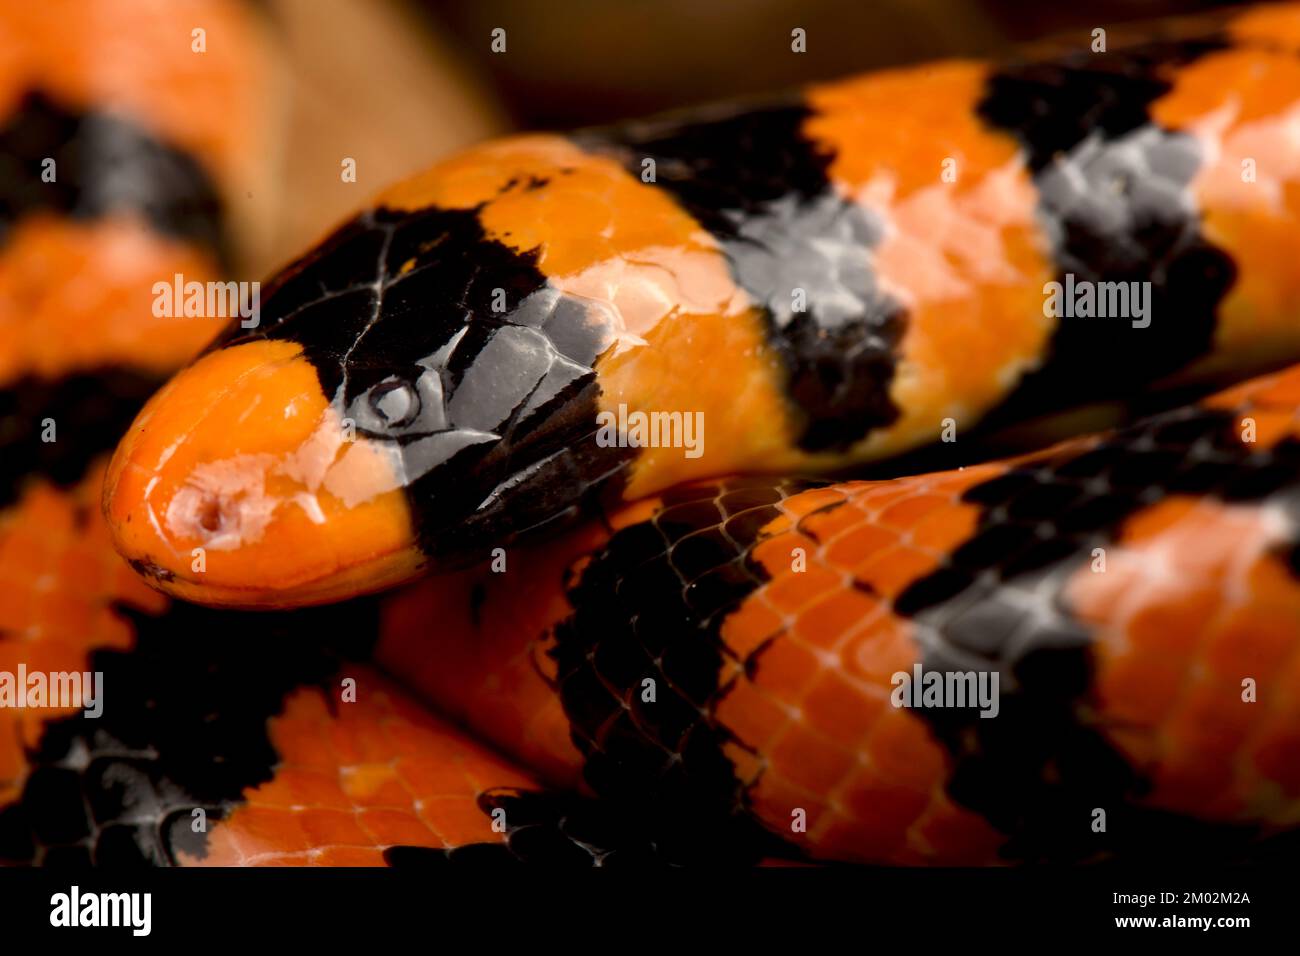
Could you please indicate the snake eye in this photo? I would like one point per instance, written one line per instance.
(400, 406)
(395, 403)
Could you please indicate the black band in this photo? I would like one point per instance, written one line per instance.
(104, 164)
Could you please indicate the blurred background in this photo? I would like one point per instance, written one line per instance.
(590, 61)
(397, 83)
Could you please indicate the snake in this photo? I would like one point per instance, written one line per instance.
(609, 498)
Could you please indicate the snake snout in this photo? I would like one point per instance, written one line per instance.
(238, 485)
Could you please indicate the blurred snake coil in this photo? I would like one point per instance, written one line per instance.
(604, 653)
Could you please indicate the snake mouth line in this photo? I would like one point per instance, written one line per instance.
(151, 571)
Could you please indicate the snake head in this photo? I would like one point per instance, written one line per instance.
(412, 393)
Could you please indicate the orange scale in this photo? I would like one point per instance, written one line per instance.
(1271, 427)
(863, 842)
(902, 750)
(893, 571)
(333, 827)
(966, 838)
(871, 795)
(907, 511)
(853, 510)
(943, 529)
(457, 820)
(752, 716)
(777, 552)
(1280, 391)
(793, 591)
(1138, 689)
(860, 544)
(807, 502)
(786, 668)
(409, 740)
(1151, 521)
(825, 623)
(1215, 706)
(1218, 719)
(442, 777)
(862, 570)
(277, 792)
(311, 788)
(872, 502)
(1173, 626)
(825, 525)
(841, 711)
(750, 626)
(484, 772)
(1255, 644)
(869, 498)
(1166, 630)
(816, 763)
(304, 744)
(396, 826)
(362, 739)
(256, 829)
(882, 651)
(748, 766)
(953, 484)
(729, 671)
(339, 742)
(374, 785)
(430, 740)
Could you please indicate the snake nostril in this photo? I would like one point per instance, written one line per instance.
(210, 516)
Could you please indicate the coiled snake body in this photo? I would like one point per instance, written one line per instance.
(692, 665)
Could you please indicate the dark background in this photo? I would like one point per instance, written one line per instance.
(573, 62)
